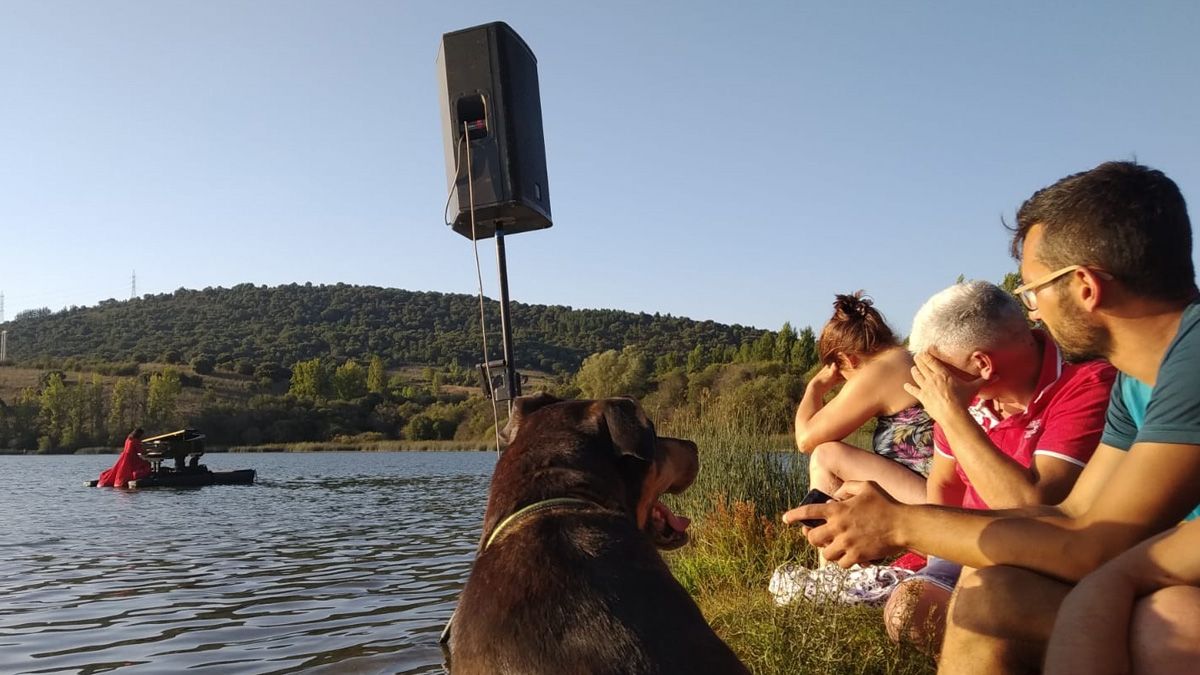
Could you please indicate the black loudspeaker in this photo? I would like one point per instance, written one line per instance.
(488, 81)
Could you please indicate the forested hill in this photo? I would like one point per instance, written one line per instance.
(250, 324)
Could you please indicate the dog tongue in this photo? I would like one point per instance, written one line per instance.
(677, 523)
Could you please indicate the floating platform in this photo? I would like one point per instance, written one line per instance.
(184, 448)
(195, 478)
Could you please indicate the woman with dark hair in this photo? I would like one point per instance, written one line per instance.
(129, 466)
(861, 352)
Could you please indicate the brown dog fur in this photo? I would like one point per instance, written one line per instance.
(582, 588)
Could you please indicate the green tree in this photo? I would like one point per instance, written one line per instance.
(162, 397)
(764, 347)
(613, 373)
(1011, 281)
(376, 376)
(784, 341)
(126, 409)
(350, 381)
(54, 408)
(203, 364)
(804, 350)
(311, 379)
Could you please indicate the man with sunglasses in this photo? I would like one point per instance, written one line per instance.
(1107, 256)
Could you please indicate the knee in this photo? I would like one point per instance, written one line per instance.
(915, 612)
(900, 607)
(826, 455)
(984, 595)
(1166, 624)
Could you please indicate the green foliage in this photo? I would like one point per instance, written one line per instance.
(19, 421)
(613, 373)
(53, 405)
(681, 368)
(350, 381)
(126, 409)
(804, 351)
(203, 364)
(737, 540)
(292, 323)
(376, 376)
(1011, 281)
(311, 379)
(162, 398)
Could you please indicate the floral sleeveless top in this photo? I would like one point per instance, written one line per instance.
(906, 437)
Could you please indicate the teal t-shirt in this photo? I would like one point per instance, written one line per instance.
(1169, 412)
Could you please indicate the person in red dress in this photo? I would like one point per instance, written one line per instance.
(129, 466)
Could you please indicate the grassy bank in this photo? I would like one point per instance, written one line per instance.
(737, 540)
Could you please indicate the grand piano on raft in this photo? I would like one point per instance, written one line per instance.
(175, 462)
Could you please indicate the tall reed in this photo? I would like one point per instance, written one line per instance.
(747, 480)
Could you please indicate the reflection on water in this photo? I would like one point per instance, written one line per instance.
(340, 562)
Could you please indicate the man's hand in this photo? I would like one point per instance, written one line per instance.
(860, 527)
(942, 391)
(826, 378)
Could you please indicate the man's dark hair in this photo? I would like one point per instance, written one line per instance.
(1121, 217)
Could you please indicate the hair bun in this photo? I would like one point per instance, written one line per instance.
(854, 306)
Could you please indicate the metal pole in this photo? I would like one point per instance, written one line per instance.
(510, 369)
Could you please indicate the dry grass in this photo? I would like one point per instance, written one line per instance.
(747, 480)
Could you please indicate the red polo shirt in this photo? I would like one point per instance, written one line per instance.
(1064, 420)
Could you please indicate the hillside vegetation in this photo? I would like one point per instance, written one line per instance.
(285, 324)
(358, 365)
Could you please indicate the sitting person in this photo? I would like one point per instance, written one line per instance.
(1024, 439)
(1106, 256)
(859, 349)
(129, 466)
(1139, 613)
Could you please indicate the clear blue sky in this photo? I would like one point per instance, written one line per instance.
(740, 162)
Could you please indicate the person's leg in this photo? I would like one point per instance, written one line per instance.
(834, 463)
(916, 613)
(1164, 635)
(999, 621)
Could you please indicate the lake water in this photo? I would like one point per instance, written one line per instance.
(335, 562)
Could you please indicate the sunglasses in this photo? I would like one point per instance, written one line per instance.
(1028, 292)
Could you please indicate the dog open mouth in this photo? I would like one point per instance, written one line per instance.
(667, 530)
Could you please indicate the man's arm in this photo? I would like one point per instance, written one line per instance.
(943, 486)
(1154, 488)
(1091, 633)
(998, 478)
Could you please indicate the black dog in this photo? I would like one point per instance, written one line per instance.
(568, 578)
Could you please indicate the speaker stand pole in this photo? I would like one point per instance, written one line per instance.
(512, 384)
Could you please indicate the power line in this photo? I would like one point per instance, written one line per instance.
(133, 286)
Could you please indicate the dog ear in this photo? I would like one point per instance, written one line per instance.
(524, 406)
(631, 433)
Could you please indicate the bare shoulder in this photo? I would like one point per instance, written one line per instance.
(881, 380)
(886, 374)
(893, 366)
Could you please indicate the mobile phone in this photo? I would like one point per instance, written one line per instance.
(814, 496)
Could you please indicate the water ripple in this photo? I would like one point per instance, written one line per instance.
(338, 563)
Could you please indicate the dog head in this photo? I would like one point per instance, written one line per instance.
(611, 441)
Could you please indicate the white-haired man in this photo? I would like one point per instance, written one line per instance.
(1106, 255)
(1024, 439)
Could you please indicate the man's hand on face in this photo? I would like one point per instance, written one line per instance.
(859, 527)
(942, 391)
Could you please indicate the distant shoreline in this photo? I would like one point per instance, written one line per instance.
(310, 446)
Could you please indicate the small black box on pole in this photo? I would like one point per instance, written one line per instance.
(488, 82)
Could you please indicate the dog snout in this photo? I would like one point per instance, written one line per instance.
(682, 462)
